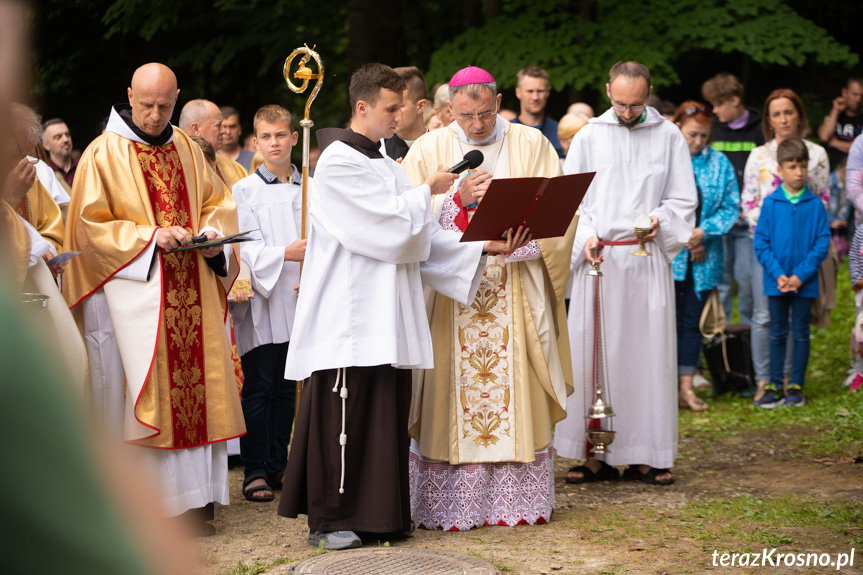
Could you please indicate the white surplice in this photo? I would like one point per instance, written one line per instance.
(275, 210)
(372, 244)
(648, 169)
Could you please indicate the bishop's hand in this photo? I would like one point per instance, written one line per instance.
(513, 242)
(473, 188)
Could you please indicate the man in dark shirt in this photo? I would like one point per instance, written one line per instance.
(412, 125)
(736, 132)
(58, 144)
(845, 121)
(532, 91)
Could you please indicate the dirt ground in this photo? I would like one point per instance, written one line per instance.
(606, 527)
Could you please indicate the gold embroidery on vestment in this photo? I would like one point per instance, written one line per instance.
(484, 366)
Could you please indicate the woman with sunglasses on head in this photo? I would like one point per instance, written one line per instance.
(784, 117)
(698, 267)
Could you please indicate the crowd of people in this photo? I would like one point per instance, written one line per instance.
(440, 376)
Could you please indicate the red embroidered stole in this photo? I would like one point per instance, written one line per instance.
(181, 294)
(23, 210)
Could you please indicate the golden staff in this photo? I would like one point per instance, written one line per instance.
(305, 74)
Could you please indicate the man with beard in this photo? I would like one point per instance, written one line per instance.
(58, 144)
(642, 166)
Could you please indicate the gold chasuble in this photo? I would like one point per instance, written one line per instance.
(502, 364)
(15, 250)
(181, 379)
(230, 171)
(42, 212)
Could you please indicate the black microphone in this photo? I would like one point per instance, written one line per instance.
(471, 160)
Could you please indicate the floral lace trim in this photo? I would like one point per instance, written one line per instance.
(461, 497)
(448, 214)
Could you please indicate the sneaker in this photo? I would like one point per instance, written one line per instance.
(700, 382)
(334, 540)
(773, 397)
(794, 395)
(856, 383)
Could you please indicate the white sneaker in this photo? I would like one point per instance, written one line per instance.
(699, 381)
(334, 540)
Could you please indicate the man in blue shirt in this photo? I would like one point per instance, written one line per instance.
(532, 91)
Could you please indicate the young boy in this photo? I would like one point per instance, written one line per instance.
(791, 240)
(269, 201)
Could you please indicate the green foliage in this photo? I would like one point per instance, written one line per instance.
(578, 47)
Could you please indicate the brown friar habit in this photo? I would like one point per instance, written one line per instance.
(376, 497)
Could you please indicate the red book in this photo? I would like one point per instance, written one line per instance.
(545, 205)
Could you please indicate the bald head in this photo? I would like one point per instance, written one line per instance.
(580, 108)
(203, 118)
(152, 95)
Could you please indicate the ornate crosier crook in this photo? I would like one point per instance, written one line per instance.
(305, 74)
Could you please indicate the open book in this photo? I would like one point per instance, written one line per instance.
(545, 205)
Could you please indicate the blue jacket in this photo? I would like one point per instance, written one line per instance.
(792, 240)
(720, 208)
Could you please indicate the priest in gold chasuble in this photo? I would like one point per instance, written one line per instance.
(481, 420)
(153, 322)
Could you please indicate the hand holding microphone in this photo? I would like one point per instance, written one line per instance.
(441, 182)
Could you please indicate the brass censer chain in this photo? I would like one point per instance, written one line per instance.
(598, 403)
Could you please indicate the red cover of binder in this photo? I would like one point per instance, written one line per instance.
(545, 205)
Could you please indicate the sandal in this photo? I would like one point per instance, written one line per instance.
(632, 472)
(689, 400)
(606, 472)
(249, 492)
(759, 390)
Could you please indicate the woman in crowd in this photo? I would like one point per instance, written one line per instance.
(783, 117)
(698, 267)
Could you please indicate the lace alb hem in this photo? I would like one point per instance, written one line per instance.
(461, 497)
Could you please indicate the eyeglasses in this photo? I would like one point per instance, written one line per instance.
(482, 116)
(634, 109)
(692, 111)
